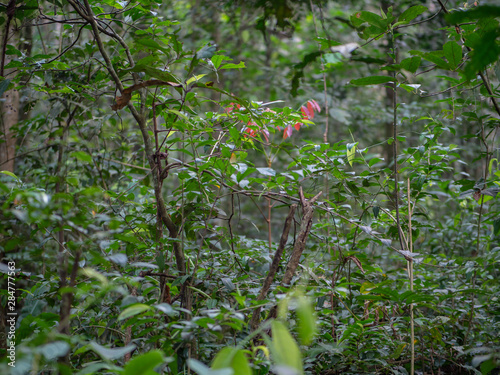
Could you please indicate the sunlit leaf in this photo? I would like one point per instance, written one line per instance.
(267, 171)
(133, 310)
(351, 152)
(306, 320)
(232, 358)
(8, 173)
(82, 155)
(195, 78)
(144, 363)
(284, 349)
(111, 353)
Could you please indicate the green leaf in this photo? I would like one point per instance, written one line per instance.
(90, 272)
(202, 369)
(206, 52)
(240, 364)
(11, 50)
(411, 63)
(54, 350)
(306, 320)
(18, 64)
(483, 11)
(332, 59)
(97, 368)
(240, 65)
(152, 44)
(453, 53)
(485, 51)
(195, 78)
(433, 57)
(284, 349)
(147, 61)
(218, 59)
(327, 43)
(490, 166)
(166, 309)
(144, 363)
(82, 156)
(372, 80)
(397, 352)
(410, 88)
(162, 75)
(4, 85)
(223, 358)
(351, 151)
(374, 161)
(267, 171)
(10, 174)
(232, 358)
(111, 353)
(133, 310)
(412, 13)
(496, 227)
(488, 365)
(283, 307)
(370, 18)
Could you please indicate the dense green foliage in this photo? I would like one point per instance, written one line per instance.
(163, 144)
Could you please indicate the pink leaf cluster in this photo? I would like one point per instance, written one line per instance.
(307, 114)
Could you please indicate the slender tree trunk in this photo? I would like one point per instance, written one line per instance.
(9, 118)
(10, 108)
(389, 96)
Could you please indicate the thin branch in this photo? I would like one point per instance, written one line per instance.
(67, 48)
(450, 89)
(273, 269)
(395, 145)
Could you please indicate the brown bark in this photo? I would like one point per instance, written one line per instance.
(10, 107)
(274, 266)
(300, 243)
(389, 97)
(9, 118)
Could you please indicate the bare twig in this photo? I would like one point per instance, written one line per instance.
(300, 243)
(274, 265)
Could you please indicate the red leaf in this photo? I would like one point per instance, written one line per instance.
(305, 112)
(288, 132)
(250, 132)
(315, 105)
(310, 110)
(298, 125)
